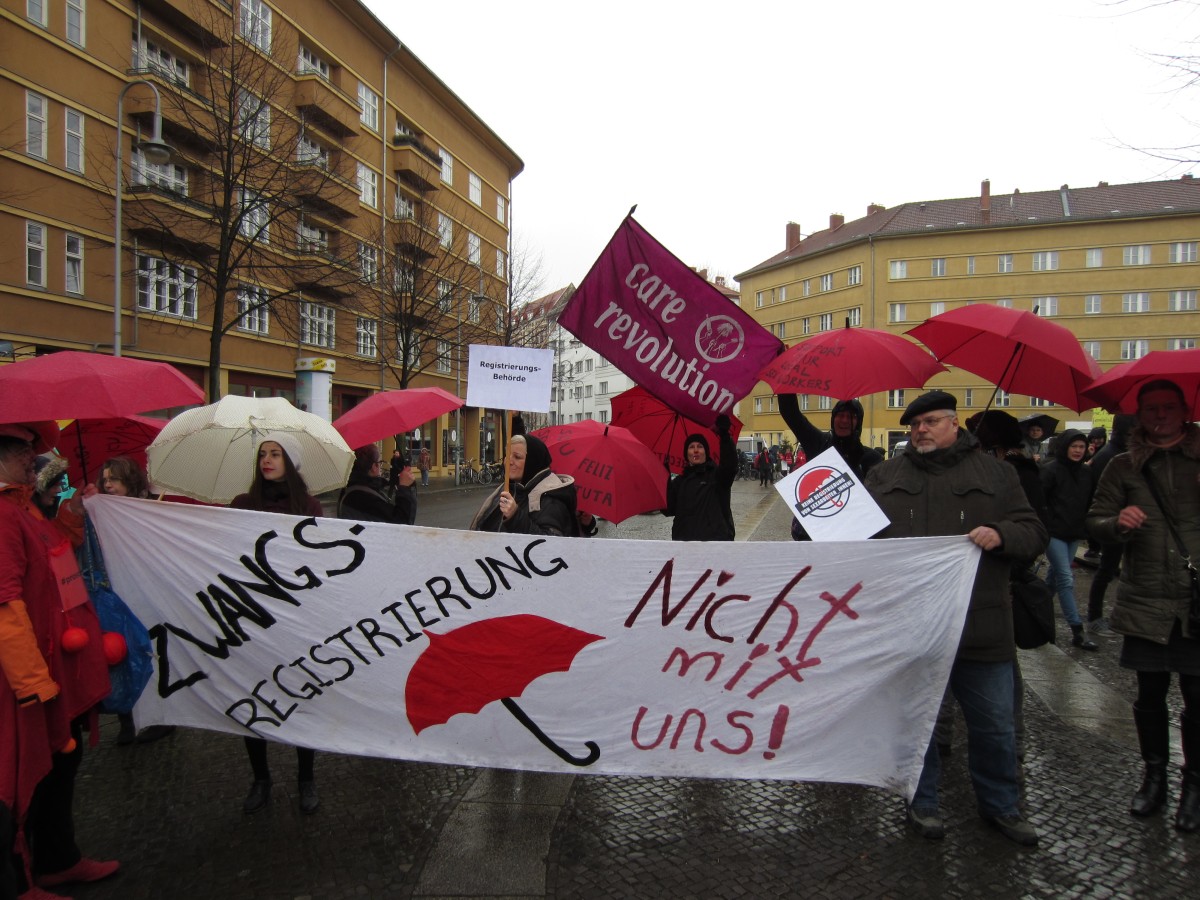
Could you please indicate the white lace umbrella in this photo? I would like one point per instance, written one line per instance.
(210, 453)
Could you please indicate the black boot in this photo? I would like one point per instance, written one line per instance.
(1188, 817)
(1155, 743)
(1080, 639)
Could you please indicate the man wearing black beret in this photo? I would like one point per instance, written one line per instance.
(942, 485)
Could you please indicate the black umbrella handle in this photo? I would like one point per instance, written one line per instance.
(593, 750)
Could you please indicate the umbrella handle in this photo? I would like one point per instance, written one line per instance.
(593, 750)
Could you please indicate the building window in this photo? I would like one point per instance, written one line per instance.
(253, 313)
(254, 119)
(256, 23)
(1137, 255)
(1046, 306)
(1038, 401)
(35, 254)
(805, 325)
(854, 276)
(970, 265)
(311, 64)
(475, 188)
(897, 312)
(782, 296)
(1091, 348)
(35, 12)
(35, 125)
(166, 288)
(1091, 304)
(1181, 301)
(854, 316)
(1138, 301)
(150, 56)
(1006, 303)
(169, 177)
(368, 102)
(969, 397)
(447, 165)
(445, 296)
(1045, 261)
(309, 152)
(74, 269)
(368, 185)
(368, 262)
(806, 287)
(404, 208)
(1183, 344)
(827, 282)
(501, 210)
(74, 134)
(826, 322)
(76, 23)
(443, 356)
(1134, 349)
(603, 416)
(312, 238)
(255, 223)
(473, 248)
(501, 263)
(1093, 257)
(1004, 262)
(410, 355)
(1183, 252)
(824, 402)
(1003, 399)
(760, 299)
(898, 268)
(445, 231)
(895, 399)
(587, 391)
(937, 307)
(365, 337)
(317, 325)
(937, 267)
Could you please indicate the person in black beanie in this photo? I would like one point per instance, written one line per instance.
(699, 498)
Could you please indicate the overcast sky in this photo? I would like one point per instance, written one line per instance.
(724, 121)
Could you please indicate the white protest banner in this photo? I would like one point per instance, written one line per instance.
(726, 660)
(509, 377)
(827, 498)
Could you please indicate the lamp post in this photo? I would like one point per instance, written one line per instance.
(156, 152)
(475, 299)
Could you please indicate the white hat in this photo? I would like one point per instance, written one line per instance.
(289, 443)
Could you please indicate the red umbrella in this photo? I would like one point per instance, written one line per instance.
(464, 670)
(99, 440)
(616, 475)
(850, 362)
(394, 412)
(75, 385)
(1014, 350)
(1116, 390)
(662, 429)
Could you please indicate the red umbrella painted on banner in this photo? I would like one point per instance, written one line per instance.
(850, 362)
(662, 429)
(1117, 389)
(394, 412)
(99, 440)
(616, 475)
(464, 670)
(1015, 350)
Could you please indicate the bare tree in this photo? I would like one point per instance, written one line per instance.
(254, 209)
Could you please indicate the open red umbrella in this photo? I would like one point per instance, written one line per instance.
(75, 385)
(662, 429)
(393, 412)
(464, 670)
(1116, 390)
(99, 440)
(1014, 350)
(616, 475)
(850, 362)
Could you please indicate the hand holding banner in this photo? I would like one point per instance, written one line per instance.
(827, 498)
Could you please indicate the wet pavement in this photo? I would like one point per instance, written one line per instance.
(171, 811)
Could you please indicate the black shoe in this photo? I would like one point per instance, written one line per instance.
(927, 823)
(128, 734)
(309, 801)
(1188, 817)
(152, 733)
(1080, 639)
(260, 793)
(1015, 828)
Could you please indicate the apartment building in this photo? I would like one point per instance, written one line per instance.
(328, 203)
(1116, 264)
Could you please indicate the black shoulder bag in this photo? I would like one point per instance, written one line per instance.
(1193, 574)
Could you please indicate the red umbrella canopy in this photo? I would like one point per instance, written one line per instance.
(1014, 350)
(92, 442)
(1116, 390)
(75, 385)
(394, 412)
(850, 362)
(662, 429)
(616, 475)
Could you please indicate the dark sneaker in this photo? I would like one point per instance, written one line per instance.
(927, 823)
(1100, 628)
(309, 801)
(1016, 829)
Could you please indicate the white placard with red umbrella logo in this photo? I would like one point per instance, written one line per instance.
(830, 502)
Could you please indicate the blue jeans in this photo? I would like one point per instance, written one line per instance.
(985, 693)
(1060, 579)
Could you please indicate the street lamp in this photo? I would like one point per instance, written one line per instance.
(157, 153)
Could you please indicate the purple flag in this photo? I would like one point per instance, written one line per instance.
(667, 328)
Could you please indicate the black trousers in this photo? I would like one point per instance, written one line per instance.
(257, 750)
(1110, 565)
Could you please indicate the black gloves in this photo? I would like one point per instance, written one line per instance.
(722, 426)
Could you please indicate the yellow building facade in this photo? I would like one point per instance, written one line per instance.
(1115, 264)
(368, 227)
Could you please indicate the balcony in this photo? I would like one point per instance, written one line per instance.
(163, 220)
(326, 192)
(325, 106)
(414, 163)
(192, 17)
(187, 117)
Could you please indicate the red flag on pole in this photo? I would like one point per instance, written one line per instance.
(668, 329)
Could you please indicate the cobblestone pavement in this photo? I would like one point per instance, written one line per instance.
(171, 812)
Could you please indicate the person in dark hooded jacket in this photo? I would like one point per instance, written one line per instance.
(845, 435)
(538, 501)
(1068, 486)
(1110, 554)
(699, 499)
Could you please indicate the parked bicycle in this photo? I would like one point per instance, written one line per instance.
(475, 473)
